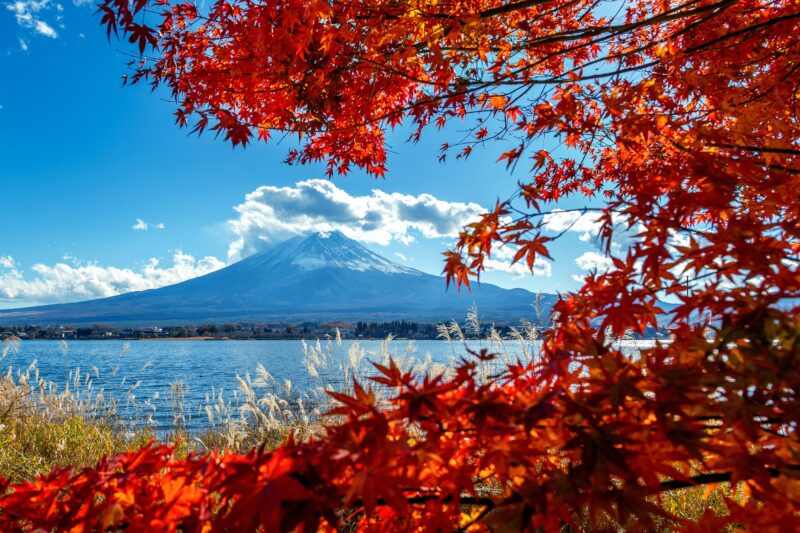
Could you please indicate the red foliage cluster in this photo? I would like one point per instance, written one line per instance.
(679, 117)
(520, 451)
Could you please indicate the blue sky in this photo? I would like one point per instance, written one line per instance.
(84, 159)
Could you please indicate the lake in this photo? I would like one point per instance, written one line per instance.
(145, 378)
(139, 374)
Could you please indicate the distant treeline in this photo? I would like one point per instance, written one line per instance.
(415, 330)
(396, 328)
(231, 330)
(403, 329)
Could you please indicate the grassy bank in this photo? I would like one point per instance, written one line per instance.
(44, 424)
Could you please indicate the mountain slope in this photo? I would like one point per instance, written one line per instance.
(314, 278)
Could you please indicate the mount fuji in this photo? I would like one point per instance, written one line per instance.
(314, 278)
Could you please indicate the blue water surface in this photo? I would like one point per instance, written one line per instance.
(137, 372)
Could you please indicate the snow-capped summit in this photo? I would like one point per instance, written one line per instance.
(332, 250)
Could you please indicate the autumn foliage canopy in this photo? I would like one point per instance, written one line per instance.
(678, 119)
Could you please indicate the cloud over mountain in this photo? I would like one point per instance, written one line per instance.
(271, 214)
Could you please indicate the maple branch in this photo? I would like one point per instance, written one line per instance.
(491, 504)
(741, 31)
(612, 31)
(717, 477)
(619, 29)
(583, 210)
(781, 168)
(762, 149)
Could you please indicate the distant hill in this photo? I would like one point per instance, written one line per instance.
(314, 278)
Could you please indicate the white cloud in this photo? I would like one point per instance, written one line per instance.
(594, 261)
(501, 262)
(587, 224)
(272, 214)
(141, 225)
(519, 269)
(401, 256)
(504, 252)
(45, 29)
(64, 282)
(23, 45)
(29, 15)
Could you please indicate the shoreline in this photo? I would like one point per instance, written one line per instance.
(151, 339)
(166, 339)
(223, 339)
